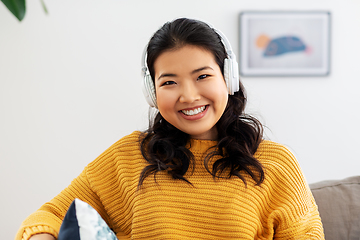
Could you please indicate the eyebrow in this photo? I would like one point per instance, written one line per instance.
(166, 75)
(201, 69)
(193, 72)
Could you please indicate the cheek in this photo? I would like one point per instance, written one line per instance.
(222, 101)
(218, 93)
(165, 101)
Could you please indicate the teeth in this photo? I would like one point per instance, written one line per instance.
(194, 111)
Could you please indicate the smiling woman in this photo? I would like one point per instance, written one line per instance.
(213, 174)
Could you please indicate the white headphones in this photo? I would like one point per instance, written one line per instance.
(231, 73)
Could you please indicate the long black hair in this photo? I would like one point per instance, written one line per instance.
(239, 135)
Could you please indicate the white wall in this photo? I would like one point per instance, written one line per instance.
(70, 87)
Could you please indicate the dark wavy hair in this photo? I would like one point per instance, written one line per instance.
(239, 135)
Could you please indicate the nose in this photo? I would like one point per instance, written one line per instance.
(189, 93)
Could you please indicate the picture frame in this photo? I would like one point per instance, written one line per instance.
(274, 43)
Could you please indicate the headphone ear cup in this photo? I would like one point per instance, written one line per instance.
(227, 75)
(149, 90)
(235, 76)
(231, 75)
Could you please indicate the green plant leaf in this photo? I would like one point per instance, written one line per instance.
(44, 6)
(17, 7)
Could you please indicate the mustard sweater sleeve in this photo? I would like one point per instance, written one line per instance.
(49, 217)
(295, 214)
(91, 186)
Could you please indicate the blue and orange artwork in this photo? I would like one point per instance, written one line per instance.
(281, 45)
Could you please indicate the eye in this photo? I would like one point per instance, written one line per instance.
(202, 76)
(168, 83)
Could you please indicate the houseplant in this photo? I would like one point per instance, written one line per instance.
(18, 7)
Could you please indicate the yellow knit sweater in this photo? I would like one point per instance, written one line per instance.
(281, 208)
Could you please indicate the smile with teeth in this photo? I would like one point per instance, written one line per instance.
(193, 111)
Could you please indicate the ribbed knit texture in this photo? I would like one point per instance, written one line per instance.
(282, 207)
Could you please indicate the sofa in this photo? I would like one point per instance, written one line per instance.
(339, 206)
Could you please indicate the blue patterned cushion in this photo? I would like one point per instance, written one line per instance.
(82, 222)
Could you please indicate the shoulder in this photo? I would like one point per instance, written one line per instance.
(128, 143)
(123, 148)
(272, 153)
(279, 163)
(120, 164)
(270, 148)
(131, 139)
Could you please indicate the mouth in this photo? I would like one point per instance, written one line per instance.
(194, 111)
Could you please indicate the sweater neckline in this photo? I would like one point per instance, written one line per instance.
(200, 145)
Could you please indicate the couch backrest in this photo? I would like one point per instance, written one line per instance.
(339, 206)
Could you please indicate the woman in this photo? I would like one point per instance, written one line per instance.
(202, 170)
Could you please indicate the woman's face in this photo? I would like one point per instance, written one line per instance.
(190, 90)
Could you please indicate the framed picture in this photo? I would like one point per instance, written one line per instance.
(284, 43)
